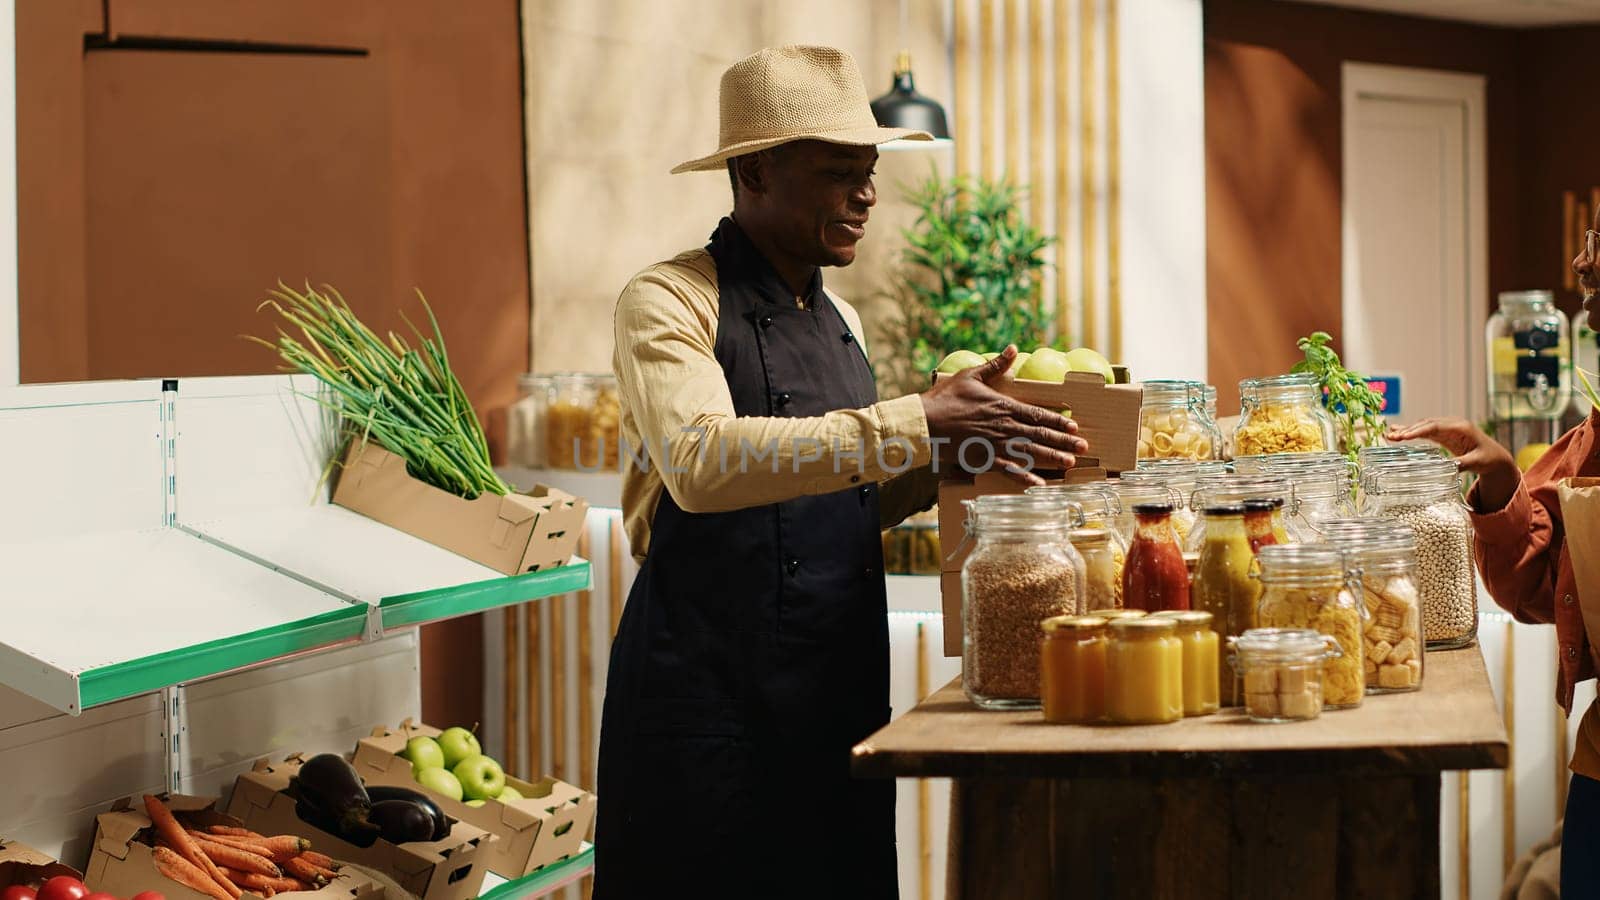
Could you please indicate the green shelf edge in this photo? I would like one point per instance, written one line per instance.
(542, 879)
(403, 610)
(137, 676)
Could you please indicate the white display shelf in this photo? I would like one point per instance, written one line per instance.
(99, 617)
(542, 883)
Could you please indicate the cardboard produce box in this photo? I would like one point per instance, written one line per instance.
(549, 825)
(1107, 414)
(123, 863)
(21, 864)
(954, 546)
(451, 869)
(517, 533)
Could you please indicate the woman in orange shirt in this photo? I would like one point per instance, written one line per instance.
(1526, 565)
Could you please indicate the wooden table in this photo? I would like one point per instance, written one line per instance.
(1344, 806)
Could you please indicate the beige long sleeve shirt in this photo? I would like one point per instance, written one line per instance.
(680, 433)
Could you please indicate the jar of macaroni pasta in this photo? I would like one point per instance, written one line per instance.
(1282, 414)
(1173, 423)
(1305, 586)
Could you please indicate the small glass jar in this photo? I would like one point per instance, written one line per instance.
(1426, 495)
(1282, 414)
(1201, 661)
(1022, 570)
(1282, 672)
(525, 425)
(1156, 577)
(1224, 585)
(1173, 423)
(1144, 672)
(1382, 555)
(1530, 361)
(1305, 586)
(582, 423)
(1103, 561)
(1072, 666)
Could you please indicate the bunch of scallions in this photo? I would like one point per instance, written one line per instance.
(403, 397)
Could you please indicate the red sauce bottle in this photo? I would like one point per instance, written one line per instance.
(1155, 577)
(1259, 524)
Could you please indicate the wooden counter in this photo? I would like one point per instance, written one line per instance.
(1343, 806)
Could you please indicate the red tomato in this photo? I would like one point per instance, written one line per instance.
(63, 887)
(101, 895)
(17, 892)
(148, 895)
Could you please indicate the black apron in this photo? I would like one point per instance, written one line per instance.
(753, 652)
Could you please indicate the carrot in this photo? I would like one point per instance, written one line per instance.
(231, 831)
(246, 844)
(168, 827)
(324, 871)
(304, 871)
(255, 882)
(238, 860)
(175, 867)
(320, 859)
(277, 849)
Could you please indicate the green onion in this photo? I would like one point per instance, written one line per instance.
(404, 398)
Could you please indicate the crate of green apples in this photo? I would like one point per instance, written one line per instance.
(1081, 383)
(536, 822)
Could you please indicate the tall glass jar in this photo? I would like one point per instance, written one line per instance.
(1173, 423)
(1305, 586)
(1072, 669)
(583, 423)
(1155, 578)
(1225, 586)
(1383, 555)
(1180, 475)
(1530, 363)
(1426, 495)
(1282, 414)
(1144, 672)
(1022, 570)
(1282, 671)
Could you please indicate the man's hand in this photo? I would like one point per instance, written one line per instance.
(964, 407)
(1475, 452)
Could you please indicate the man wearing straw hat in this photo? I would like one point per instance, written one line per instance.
(753, 650)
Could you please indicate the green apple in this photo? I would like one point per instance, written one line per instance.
(457, 744)
(508, 794)
(1044, 364)
(476, 803)
(1085, 360)
(424, 753)
(481, 777)
(961, 359)
(442, 780)
(1019, 362)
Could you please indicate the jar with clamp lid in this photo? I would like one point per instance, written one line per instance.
(1282, 670)
(1282, 414)
(1426, 495)
(1173, 423)
(1306, 586)
(1382, 556)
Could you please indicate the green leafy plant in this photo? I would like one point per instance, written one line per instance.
(1354, 404)
(973, 267)
(1588, 386)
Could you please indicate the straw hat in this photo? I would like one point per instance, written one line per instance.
(794, 93)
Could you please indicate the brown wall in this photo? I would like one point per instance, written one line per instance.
(1274, 163)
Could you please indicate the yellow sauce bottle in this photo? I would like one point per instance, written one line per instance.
(1072, 670)
(1224, 588)
(1202, 661)
(1144, 672)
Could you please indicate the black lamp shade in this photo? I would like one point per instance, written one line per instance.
(903, 107)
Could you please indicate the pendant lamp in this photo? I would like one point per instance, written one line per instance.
(903, 107)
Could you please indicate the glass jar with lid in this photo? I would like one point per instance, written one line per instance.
(1426, 495)
(1225, 585)
(1213, 490)
(1072, 668)
(1180, 475)
(1530, 363)
(582, 423)
(1382, 554)
(525, 425)
(1282, 414)
(1305, 586)
(1103, 560)
(1322, 491)
(1201, 661)
(1144, 671)
(1173, 423)
(1156, 577)
(1022, 570)
(1132, 492)
(1282, 670)
(1101, 509)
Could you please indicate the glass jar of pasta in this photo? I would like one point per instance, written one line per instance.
(1173, 423)
(1305, 586)
(1103, 560)
(1383, 556)
(1282, 671)
(582, 423)
(1282, 414)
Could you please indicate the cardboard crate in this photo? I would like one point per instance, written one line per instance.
(548, 826)
(21, 864)
(517, 533)
(953, 545)
(122, 862)
(1107, 414)
(451, 869)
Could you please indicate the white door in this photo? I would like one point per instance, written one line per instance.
(1415, 244)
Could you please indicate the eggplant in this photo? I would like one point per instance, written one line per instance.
(402, 821)
(316, 818)
(441, 822)
(331, 786)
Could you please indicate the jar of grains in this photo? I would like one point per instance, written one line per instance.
(1173, 423)
(1305, 586)
(1383, 555)
(1282, 671)
(1022, 570)
(1282, 414)
(1426, 494)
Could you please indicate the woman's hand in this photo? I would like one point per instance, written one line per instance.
(1475, 452)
